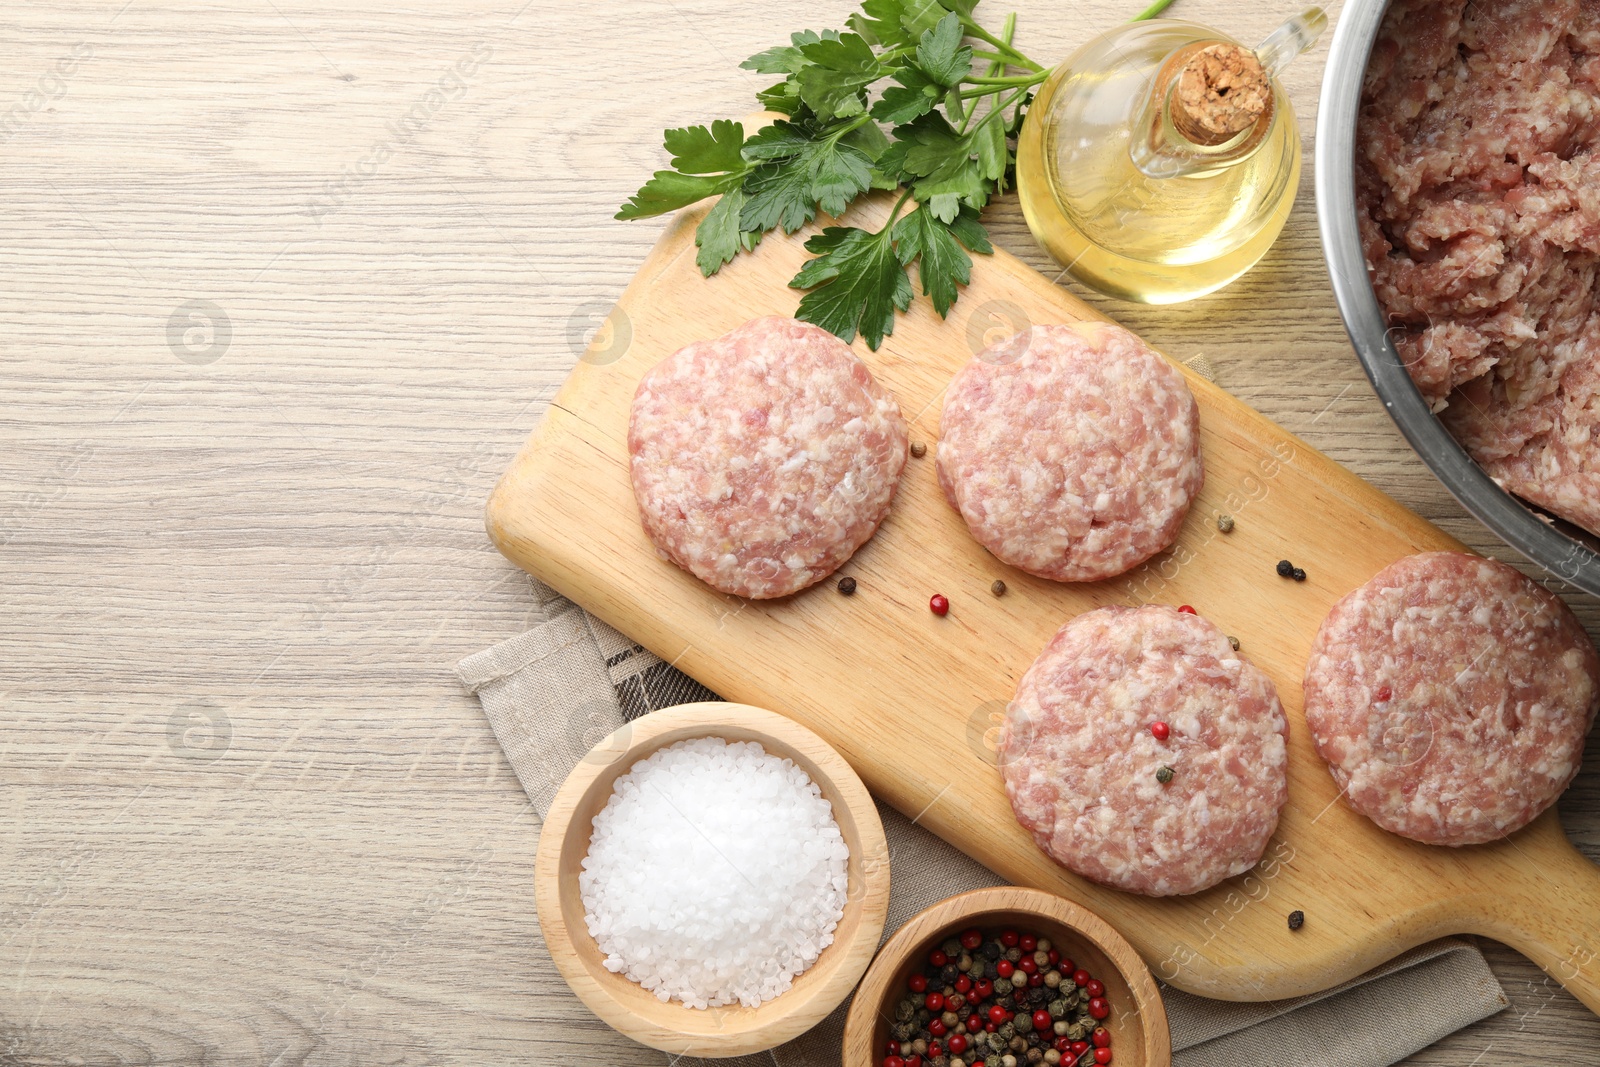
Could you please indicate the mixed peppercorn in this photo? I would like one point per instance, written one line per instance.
(1006, 1000)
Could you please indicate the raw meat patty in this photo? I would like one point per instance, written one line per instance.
(1450, 696)
(1080, 762)
(1477, 164)
(763, 459)
(1072, 452)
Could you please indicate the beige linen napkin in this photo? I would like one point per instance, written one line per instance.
(553, 692)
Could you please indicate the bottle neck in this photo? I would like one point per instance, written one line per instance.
(1210, 104)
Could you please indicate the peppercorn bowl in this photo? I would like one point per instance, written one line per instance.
(669, 1025)
(1130, 1022)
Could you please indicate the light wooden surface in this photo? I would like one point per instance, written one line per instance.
(1138, 1025)
(248, 814)
(910, 698)
(734, 1030)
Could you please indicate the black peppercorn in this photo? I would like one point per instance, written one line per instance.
(918, 449)
(1298, 575)
(847, 586)
(949, 974)
(1297, 919)
(998, 588)
(1285, 569)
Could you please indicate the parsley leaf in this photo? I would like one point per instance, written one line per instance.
(857, 282)
(708, 161)
(941, 55)
(880, 22)
(697, 150)
(837, 72)
(787, 59)
(802, 167)
(941, 262)
(719, 235)
(913, 97)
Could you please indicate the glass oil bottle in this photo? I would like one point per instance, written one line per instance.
(1160, 161)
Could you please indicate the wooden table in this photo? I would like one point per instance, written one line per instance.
(285, 286)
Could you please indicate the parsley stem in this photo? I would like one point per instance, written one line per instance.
(1019, 79)
(895, 214)
(1020, 83)
(982, 34)
(996, 68)
(1152, 11)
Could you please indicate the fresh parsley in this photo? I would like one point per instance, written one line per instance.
(952, 95)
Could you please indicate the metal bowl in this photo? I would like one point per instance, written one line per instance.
(1557, 546)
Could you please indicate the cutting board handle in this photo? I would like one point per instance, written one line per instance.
(1548, 908)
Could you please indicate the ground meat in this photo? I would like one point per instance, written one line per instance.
(763, 459)
(1478, 179)
(1450, 696)
(1072, 452)
(1080, 762)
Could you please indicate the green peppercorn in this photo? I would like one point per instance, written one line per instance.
(1002, 986)
(904, 1010)
(1013, 954)
(1233, 642)
(1225, 523)
(1164, 775)
(1023, 1022)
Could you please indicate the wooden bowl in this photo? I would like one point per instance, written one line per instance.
(1138, 1021)
(670, 1026)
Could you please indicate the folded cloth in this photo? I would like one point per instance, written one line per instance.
(552, 693)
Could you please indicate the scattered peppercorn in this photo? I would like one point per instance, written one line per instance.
(939, 604)
(1297, 919)
(998, 588)
(847, 586)
(1233, 642)
(1298, 575)
(1160, 731)
(918, 449)
(1285, 569)
(1225, 523)
(1384, 693)
(1186, 609)
(1164, 775)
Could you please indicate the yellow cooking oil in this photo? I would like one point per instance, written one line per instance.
(1117, 188)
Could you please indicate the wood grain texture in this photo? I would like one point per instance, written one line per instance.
(247, 815)
(734, 1030)
(913, 700)
(1138, 1024)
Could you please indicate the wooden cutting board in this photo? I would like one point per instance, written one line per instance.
(912, 699)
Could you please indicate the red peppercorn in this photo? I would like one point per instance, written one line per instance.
(1080, 1047)
(1101, 1037)
(1095, 988)
(1009, 938)
(1055, 957)
(1063, 1044)
(935, 1002)
(982, 989)
(1036, 980)
(914, 1060)
(935, 1050)
(1099, 1007)
(937, 958)
(894, 1048)
(957, 1044)
(1080, 977)
(1026, 965)
(1066, 966)
(1102, 1055)
(1042, 1020)
(998, 1015)
(1383, 693)
(963, 984)
(1186, 609)
(939, 604)
(918, 983)
(937, 1028)
(971, 939)
(989, 1028)
(1004, 968)
(893, 1061)
(974, 1023)
(1160, 731)
(1028, 943)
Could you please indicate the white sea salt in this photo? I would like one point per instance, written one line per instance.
(716, 874)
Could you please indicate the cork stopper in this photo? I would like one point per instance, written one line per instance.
(1222, 90)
